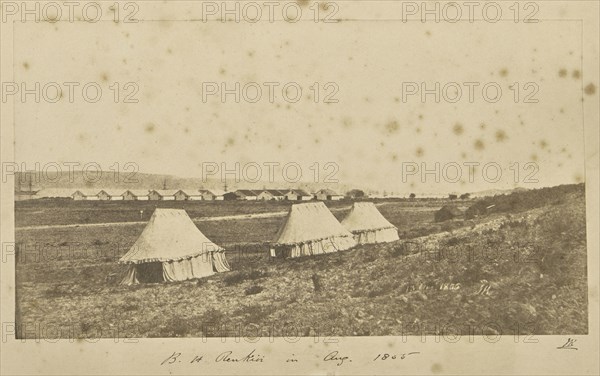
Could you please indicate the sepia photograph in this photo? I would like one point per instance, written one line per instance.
(300, 187)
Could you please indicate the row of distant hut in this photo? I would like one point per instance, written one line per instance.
(204, 195)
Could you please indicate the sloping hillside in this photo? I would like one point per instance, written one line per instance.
(502, 273)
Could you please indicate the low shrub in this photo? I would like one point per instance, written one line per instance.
(253, 290)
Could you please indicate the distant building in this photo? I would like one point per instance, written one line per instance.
(25, 195)
(298, 195)
(180, 195)
(271, 194)
(110, 195)
(162, 195)
(212, 194)
(246, 194)
(135, 195)
(85, 194)
(55, 193)
(327, 195)
(188, 195)
(194, 195)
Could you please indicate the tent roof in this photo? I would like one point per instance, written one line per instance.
(87, 192)
(364, 216)
(300, 192)
(137, 192)
(309, 222)
(112, 192)
(247, 192)
(214, 192)
(169, 236)
(329, 192)
(165, 192)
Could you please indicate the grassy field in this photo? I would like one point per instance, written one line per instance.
(522, 270)
(66, 211)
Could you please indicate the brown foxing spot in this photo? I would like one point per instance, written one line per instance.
(578, 178)
(543, 144)
(436, 368)
(576, 74)
(104, 77)
(562, 73)
(458, 129)
(222, 71)
(479, 145)
(230, 141)
(503, 72)
(534, 157)
(150, 128)
(26, 65)
(250, 53)
(392, 127)
(418, 130)
(347, 123)
(590, 89)
(482, 126)
(303, 3)
(501, 135)
(419, 152)
(420, 116)
(394, 157)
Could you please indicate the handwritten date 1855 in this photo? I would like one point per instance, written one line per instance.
(394, 356)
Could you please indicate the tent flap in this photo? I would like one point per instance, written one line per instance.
(376, 236)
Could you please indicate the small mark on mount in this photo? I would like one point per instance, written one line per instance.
(479, 144)
(458, 129)
(501, 135)
(590, 89)
(150, 128)
(392, 127)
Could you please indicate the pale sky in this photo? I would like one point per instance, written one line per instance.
(369, 133)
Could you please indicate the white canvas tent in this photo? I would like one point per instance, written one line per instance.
(368, 225)
(171, 248)
(311, 229)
